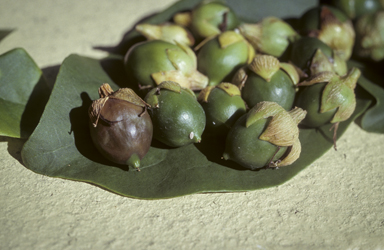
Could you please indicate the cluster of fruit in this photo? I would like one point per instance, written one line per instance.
(252, 83)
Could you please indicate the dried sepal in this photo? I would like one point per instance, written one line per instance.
(292, 72)
(282, 130)
(297, 114)
(265, 66)
(339, 93)
(262, 110)
(251, 53)
(129, 95)
(95, 110)
(204, 94)
(197, 81)
(188, 51)
(320, 63)
(252, 32)
(105, 90)
(185, 74)
(340, 36)
(167, 31)
(105, 93)
(320, 77)
(228, 38)
(183, 18)
(293, 154)
(240, 77)
(170, 85)
(229, 88)
(270, 36)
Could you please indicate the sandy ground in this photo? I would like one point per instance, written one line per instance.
(336, 203)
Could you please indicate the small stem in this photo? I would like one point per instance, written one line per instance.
(334, 127)
(224, 24)
(273, 164)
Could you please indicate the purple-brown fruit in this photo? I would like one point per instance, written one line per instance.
(120, 126)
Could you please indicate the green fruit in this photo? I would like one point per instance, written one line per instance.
(305, 48)
(178, 119)
(270, 36)
(332, 27)
(309, 99)
(313, 56)
(120, 127)
(267, 136)
(152, 62)
(328, 98)
(280, 89)
(244, 146)
(223, 105)
(220, 57)
(266, 79)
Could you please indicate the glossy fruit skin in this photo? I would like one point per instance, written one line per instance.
(243, 146)
(309, 99)
(149, 57)
(178, 120)
(222, 111)
(123, 130)
(279, 89)
(220, 64)
(304, 49)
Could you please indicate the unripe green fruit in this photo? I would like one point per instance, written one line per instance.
(309, 99)
(223, 105)
(279, 89)
(262, 137)
(304, 49)
(152, 62)
(178, 119)
(220, 57)
(244, 146)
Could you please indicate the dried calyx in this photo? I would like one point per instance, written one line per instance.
(105, 93)
(282, 129)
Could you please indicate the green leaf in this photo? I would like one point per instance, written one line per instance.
(23, 94)
(373, 119)
(61, 147)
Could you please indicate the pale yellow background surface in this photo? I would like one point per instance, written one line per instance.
(336, 203)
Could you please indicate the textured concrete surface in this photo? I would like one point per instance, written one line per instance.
(336, 203)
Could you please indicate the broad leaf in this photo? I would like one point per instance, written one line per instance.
(373, 119)
(61, 147)
(23, 94)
